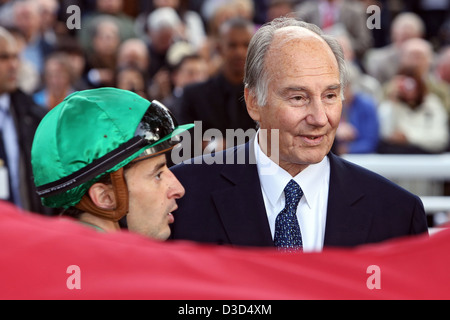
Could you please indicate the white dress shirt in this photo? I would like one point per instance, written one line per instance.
(312, 208)
(11, 144)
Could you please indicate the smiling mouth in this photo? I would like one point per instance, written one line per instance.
(313, 137)
(313, 140)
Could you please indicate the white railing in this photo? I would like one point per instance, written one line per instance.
(435, 204)
(425, 168)
(429, 167)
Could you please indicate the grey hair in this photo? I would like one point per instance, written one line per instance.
(256, 78)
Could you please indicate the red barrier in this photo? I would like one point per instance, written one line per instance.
(54, 258)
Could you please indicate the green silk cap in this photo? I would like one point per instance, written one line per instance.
(91, 133)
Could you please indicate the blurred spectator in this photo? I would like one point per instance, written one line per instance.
(28, 77)
(362, 82)
(433, 14)
(133, 79)
(382, 63)
(280, 8)
(418, 54)
(218, 102)
(210, 8)
(77, 59)
(412, 120)
(7, 13)
(194, 29)
(215, 14)
(19, 118)
(442, 69)
(112, 9)
(58, 79)
(338, 16)
(209, 50)
(27, 17)
(48, 10)
(133, 62)
(177, 51)
(358, 130)
(245, 8)
(133, 52)
(441, 75)
(444, 33)
(164, 29)
(192, 68)
(101, 60)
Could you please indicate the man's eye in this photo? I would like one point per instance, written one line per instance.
(331, 96)
(299, 100)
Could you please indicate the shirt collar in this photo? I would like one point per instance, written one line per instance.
(274, 180)
(4, 101)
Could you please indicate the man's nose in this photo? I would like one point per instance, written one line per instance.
(317, 114)
(176, 189)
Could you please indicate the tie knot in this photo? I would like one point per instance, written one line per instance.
(292, 193)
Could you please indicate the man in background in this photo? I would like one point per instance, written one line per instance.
(19, 118)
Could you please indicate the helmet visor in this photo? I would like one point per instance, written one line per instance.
(156, 133)
(159, 129)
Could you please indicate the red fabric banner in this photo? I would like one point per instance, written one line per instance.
(55, 258)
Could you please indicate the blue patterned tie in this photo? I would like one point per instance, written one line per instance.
(287, 230)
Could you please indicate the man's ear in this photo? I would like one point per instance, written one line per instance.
(252, 105)
(102, 195)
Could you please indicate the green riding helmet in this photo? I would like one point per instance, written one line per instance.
(95, 132)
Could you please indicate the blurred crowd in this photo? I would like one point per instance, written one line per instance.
(190, 55)
(397, 101)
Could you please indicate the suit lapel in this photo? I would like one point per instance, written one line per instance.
(241, 205)
(348, 221)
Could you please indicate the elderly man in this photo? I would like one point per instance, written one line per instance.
(309, 198)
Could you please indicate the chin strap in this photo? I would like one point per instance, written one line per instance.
(121, 193)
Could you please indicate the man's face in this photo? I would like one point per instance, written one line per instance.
(9, 65)
(303, 100)
(153, 190)
(192, 71)
(233, 47)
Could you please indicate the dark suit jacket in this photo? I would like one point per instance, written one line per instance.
(217, 103)
(27, 116)
(223, 204)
